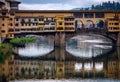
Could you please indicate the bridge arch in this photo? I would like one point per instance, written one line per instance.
(89, 24)
(99, 24)
(79, 24)
(112, 37)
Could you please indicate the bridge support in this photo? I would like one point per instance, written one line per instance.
(0, 40)
(60, 39)
(94, 71)
(118, 40)
(83, 70)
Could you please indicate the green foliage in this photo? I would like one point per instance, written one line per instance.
(100, 24)
(24, 40)
(107, 6)
(104, 6)
(5, 52)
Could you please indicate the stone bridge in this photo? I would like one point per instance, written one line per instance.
(59, 38)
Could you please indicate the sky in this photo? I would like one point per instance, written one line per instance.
(58, 4)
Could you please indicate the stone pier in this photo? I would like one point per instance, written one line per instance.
(60, 39)
(0, 40)
(118, 40)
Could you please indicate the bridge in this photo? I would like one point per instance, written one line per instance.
(59, 25)
(59, 39)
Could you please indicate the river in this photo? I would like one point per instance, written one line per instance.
(91, 57)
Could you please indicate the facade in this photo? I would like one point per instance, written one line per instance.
(14, 21)
(113, 69)
(7, 69)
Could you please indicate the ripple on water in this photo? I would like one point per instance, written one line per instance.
(69, 80)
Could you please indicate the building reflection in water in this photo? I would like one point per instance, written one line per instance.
(61, 64)
(22, 68)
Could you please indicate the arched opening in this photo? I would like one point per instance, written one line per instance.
(89, 24)
(99, 24)
(41, 46)
(22, 71)
(88, 45)
(78, 24)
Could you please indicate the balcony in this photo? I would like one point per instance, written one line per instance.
(69, 29)
(49, 29)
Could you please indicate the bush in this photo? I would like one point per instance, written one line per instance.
(21, 41)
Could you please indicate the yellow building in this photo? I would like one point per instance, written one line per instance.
(15, 22)
(7, 69)
(113, 25)
(60, 69)
(113, 70)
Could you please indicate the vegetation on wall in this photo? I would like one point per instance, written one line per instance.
(5, 52)
(22, 41)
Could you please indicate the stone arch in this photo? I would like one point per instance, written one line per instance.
(78, 24)
(99, 24)
(89, 24)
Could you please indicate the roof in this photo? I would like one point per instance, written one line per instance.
(65, 11)
(14, 1)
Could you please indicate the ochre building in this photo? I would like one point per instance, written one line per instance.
(15, 22)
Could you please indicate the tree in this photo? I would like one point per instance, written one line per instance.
(100, 24)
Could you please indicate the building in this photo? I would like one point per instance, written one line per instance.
(28, 69)
(113, 69)
(14, 21)
(7, 69)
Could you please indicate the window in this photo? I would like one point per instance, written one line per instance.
(61, 18)
(99, 15)
(4, 13)
(78, 15)
(3, 31)
(35, 19)
(52, 19)
(3, 24)
(60, 23)
(3, 19)
(3, 69)
(41, 23)
(16, 24)
(17, 19)
(60, 28)
(11, 24)
(12, 14)
(41, 19)
(46, 28)
(11, 30)
(29, 24)
(22, 20)
(11, 19)
(89, 15)
(22, 24)
(29, 20)
(116, 23)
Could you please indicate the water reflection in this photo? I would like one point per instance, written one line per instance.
(18, 68)
(39, 48)
(62, 65)
(88, 45)
(70, 80)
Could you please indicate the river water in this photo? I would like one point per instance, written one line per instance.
(70, 80)
(85, 57)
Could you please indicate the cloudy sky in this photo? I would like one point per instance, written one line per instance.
(58, 4)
